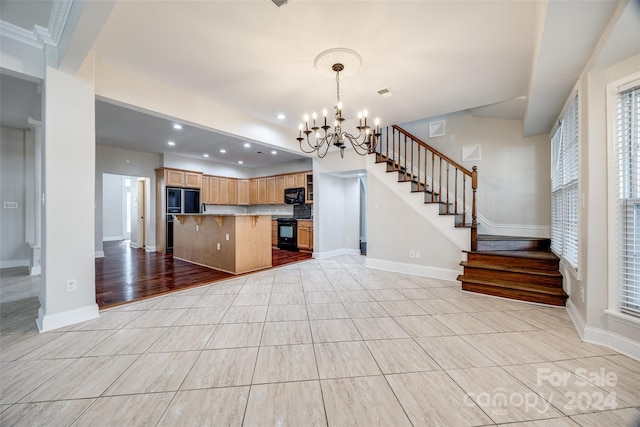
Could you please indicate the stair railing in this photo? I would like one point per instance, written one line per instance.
(443, 180)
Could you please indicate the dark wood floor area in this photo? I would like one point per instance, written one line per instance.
(125, 274)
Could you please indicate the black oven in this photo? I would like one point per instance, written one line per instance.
(288, 234)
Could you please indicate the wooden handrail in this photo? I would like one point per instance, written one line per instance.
(399, 154)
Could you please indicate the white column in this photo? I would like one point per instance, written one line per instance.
(34, 191)
(68, 187)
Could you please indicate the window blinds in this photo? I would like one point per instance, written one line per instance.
(628, 131)
(564, 186)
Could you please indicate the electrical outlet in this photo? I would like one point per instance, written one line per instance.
(417, 254)
(226, 237)
(71, 285)
(581, 294)
(218, 246)
(412, 253)
(348, 239)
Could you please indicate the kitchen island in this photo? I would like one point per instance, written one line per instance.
(235, 243)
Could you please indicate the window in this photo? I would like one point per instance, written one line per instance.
(564, 186)
(628, 147)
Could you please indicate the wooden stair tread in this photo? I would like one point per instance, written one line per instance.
(511, 269)
(509, 284)
(520, 254)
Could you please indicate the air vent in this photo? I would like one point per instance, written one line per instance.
(385, 92)
(279, 2)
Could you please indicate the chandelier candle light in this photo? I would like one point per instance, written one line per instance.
(323, 136)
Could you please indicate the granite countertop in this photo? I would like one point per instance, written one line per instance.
(226, 214)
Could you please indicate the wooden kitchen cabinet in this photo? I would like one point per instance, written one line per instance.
(233, 191)
(244, 197)
(308, 193)
(223, 191)
(262, 191)
(274, 233)
(182, 178)
(271, 190)
(289, 181)
(192, 179)
(280, 186)
(300, 180)
(204, 190)
(214, 190)
(253, 191)
(305, 235)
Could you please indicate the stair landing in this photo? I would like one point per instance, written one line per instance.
(519, 268)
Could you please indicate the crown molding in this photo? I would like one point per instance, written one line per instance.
(40, 36)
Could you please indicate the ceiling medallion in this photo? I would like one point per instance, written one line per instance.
(318, 135)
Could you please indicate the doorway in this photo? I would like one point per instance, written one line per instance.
(125, 205)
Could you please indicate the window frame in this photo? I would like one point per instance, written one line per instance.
(613, 212)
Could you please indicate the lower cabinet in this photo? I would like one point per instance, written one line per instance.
(274, 233)
(305, 235)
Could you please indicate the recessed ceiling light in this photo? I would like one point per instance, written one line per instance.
(247, 145)
(222, 150)
(177, 126)
(274, 152)
(281, 116)
(205, 155)
(171, 143)
(240, 162)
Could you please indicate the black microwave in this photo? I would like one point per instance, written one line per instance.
(294, 196)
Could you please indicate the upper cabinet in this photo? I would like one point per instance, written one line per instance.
(182, 178)
(243, 191)
(221, 190)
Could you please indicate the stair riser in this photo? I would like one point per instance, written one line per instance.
(515, 294)
(513, 245)
(531, 278)
(507, 261)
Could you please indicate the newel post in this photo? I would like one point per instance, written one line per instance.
(474, 219)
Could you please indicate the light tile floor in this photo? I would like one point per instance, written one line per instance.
(323, 342)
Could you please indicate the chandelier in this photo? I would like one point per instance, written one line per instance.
(318, 135)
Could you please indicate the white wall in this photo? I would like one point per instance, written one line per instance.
(112, 207)
(207, 167)
(514, 186)
(288, 167)
(14, 251)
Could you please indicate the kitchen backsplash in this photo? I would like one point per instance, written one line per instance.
(302, 211)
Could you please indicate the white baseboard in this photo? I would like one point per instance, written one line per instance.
(485, 226)
(416, 270)
(112, 238)
(134, 245)
(48, 322)
(99, 254)
(336, 252)
(598, 336)
(35, 270)
(150, 248)
(11, 263)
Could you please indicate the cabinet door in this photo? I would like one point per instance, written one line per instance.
(214, 190)
(305, 236)
(280, 190)
(223, 191)
(243, 192)
(308, 194)
(192, 179)
(174, 178)
(204, 190)
(253, 191)
(274, 234)
(289, 181)
(300, 179)
(262, 191)
(271, 190)
(233, 191)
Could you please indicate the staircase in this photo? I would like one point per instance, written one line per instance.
(519, 268)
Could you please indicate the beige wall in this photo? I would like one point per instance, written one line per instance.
(514, 187)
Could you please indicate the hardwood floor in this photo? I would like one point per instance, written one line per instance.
(125, 274)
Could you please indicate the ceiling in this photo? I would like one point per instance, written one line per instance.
(494, 58)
